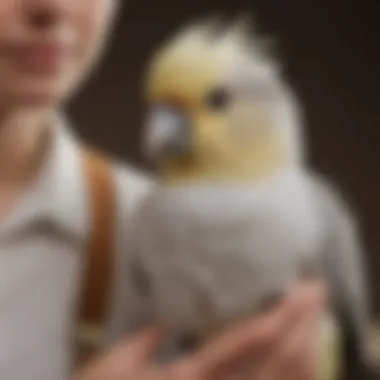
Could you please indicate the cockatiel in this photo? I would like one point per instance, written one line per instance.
(236, 218)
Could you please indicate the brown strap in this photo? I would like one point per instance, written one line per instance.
(99, 260)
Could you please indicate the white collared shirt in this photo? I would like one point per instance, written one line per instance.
(41, 245)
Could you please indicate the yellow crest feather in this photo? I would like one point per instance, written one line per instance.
(199, 54)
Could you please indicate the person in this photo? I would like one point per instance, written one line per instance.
(47, 49)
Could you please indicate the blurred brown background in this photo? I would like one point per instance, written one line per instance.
(332, 54)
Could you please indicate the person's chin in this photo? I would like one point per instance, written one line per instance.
(47, 95)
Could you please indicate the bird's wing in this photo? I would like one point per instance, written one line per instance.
(343, 264)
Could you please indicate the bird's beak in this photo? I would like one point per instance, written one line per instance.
(167, 133)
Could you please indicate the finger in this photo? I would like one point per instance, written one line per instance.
(300, 363)
(135, 350)
(306, 321)
(283, 363)
(309, 348)
(305, 317)
(255, 335)
(301, 360)
(295, 356)
(142, 346)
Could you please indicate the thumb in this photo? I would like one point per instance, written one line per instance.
(122, 360)
(138, 348)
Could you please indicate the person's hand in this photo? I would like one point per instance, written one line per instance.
(276, 346)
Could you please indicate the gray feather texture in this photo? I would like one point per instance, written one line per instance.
(212, 254)
(343, 260)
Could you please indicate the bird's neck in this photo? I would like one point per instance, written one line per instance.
(254, 166)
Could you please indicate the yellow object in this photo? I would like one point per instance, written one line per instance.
(328, 355)
(239, 143)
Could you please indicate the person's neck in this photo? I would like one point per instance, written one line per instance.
(23, 142)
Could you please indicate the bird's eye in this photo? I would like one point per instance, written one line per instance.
(218, 99)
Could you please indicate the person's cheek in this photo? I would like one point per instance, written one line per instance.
(93, 20)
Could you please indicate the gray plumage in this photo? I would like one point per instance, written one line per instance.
(206, 257)
(212, 254)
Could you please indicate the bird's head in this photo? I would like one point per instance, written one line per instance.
(218, 110)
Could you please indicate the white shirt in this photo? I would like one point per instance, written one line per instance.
(41, 245)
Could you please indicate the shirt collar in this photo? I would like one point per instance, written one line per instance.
(58, 194)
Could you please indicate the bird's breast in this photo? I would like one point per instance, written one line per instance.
(212, 253)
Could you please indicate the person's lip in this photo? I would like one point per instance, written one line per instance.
(41, 57)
